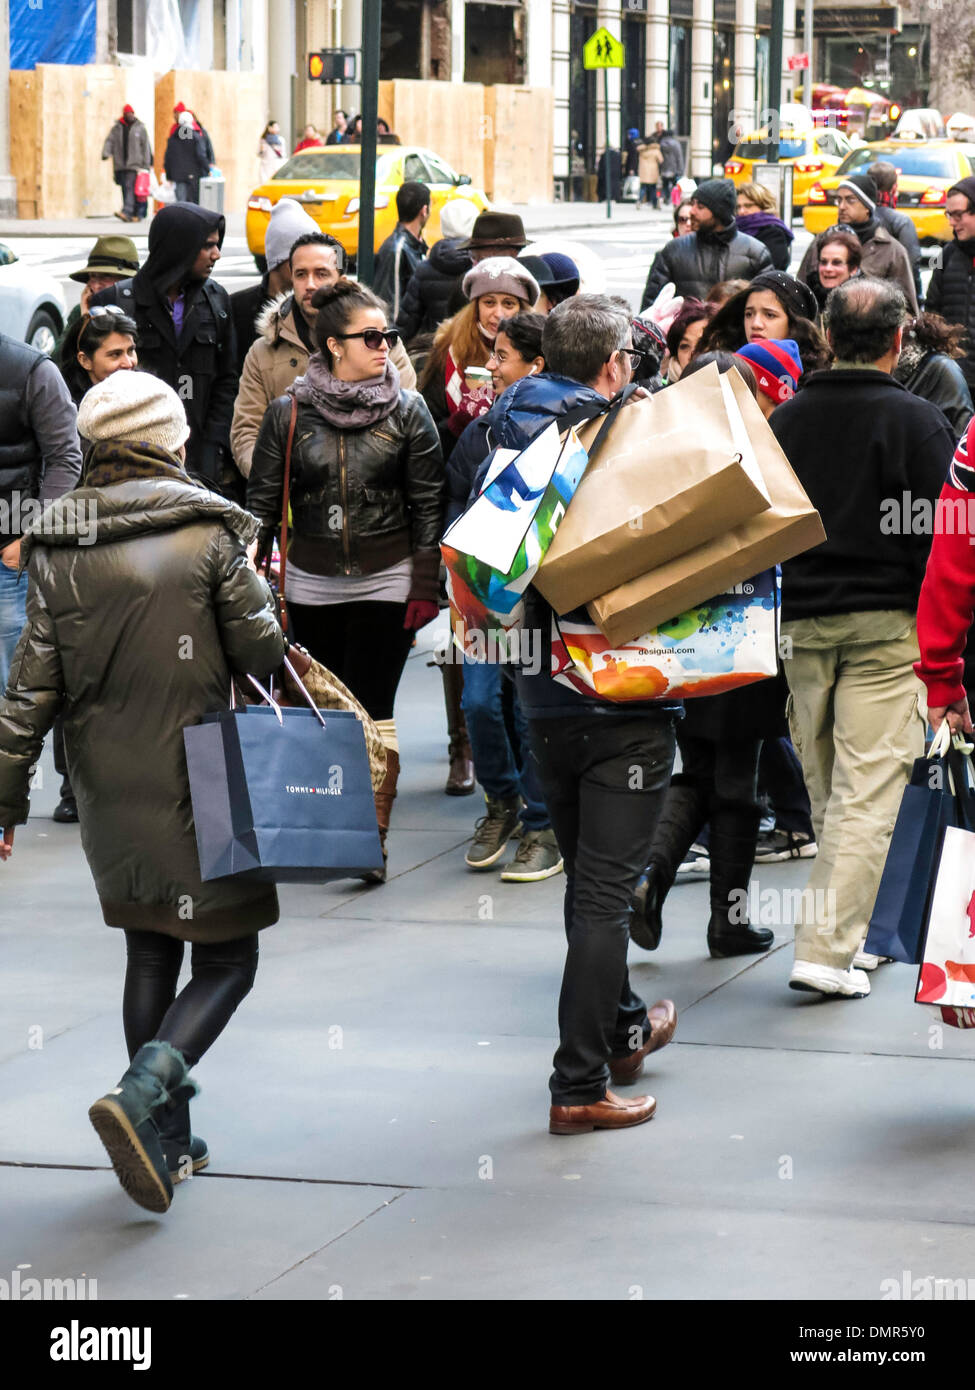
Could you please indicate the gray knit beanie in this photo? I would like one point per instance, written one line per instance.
(288, 222)
(134, 406)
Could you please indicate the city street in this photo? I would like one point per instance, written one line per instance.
(377, 1110)
(624, 245)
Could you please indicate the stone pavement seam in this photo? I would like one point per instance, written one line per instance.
(329, 912)
(312, 1253)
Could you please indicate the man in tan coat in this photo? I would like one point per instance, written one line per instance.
(285, 342)
(650, 158)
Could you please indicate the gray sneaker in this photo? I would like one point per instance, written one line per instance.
(493, 831)
(538, 857)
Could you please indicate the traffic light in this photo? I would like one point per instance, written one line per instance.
(333, 65)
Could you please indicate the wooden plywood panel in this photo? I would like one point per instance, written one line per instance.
(447, 117)
(521, 149)
(104, 93)
(231, 107)
(61, 180)
(24, 127)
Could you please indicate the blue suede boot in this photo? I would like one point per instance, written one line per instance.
(186, 1153)
(123, 1120)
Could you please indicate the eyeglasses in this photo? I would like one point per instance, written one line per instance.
(98, 310)
(957, 216)
(684, 219)
(374, 337)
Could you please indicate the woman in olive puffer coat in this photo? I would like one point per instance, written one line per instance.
(142, 601)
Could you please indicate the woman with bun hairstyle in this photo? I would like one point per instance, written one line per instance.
(367, 500)
(497, 288)
(773, 306)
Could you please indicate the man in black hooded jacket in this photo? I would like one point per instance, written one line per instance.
(186, 332)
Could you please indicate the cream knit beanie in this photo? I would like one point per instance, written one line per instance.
(134, 406)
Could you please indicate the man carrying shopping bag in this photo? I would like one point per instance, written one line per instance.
(603, 771)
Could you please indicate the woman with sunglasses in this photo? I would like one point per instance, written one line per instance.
(682, 218)
(366, 489)
(102, 342)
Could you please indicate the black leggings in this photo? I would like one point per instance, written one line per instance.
(223, 973)
(365, 644)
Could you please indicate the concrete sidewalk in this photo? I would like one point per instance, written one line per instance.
(377, 1111)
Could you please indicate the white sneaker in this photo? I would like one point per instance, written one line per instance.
(863, 960)
(828, 979)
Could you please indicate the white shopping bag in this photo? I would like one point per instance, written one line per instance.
(947, 973)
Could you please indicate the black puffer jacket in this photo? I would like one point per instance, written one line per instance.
(112, 611)
(699, 260)
(427, 301)
(361, 499)
(951, 293)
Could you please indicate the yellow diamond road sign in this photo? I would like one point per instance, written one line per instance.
(602, 51)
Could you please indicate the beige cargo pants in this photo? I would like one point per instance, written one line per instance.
(857, 717)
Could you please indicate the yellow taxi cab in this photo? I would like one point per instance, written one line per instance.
(927, 169)
(325, 180)
(812, 153)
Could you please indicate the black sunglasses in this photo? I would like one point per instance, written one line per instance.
(374, 337)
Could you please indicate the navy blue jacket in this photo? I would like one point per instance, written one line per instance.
(517, 416)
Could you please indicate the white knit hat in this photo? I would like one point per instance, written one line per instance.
(134, 406)
(457, 217)
(288, 222)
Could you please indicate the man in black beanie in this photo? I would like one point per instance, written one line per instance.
(715, 250)
(951, 292)
(882, 257)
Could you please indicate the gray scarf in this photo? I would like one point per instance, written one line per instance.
(348, 405)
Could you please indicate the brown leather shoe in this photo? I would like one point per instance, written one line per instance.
(663, 1021)
(612, 1112)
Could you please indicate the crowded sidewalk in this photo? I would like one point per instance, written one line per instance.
(374, 1114)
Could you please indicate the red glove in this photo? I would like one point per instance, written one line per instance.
(419, 612)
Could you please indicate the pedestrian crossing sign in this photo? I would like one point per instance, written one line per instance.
(602, 51)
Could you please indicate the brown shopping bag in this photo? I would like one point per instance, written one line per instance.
(675, 470)
(790, 526)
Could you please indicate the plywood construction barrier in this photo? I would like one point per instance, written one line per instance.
(231, 108)
(446, 117)
(59, 119)
(519, 150)
(501, 136)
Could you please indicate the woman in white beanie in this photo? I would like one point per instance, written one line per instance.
(141, 603)
(496, 288)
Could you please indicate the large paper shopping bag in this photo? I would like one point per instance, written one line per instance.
(947, 974)
(730, 641)
(675, 470)
(790, 526)
(278, 798)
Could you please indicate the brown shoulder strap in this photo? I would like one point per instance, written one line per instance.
(285, 498)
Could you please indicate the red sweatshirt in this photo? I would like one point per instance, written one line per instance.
(947, 602)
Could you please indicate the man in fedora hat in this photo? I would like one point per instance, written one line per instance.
(496, 234)
(112, 258)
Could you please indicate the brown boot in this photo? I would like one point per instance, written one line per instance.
(460, 779)
(384, 808)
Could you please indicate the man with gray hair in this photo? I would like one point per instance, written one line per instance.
(872, 458)
(603, 768)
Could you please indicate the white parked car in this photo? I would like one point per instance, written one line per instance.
(32, 306)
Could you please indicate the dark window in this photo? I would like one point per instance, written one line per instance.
(331, 164)
(131, 26)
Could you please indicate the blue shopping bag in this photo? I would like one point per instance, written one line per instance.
(282, 795)
(938, 795)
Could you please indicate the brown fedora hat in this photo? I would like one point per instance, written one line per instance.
(496, 229)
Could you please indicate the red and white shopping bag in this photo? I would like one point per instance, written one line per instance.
(947, 974)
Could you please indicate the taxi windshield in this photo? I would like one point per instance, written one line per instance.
(328, 165)
(927, 163)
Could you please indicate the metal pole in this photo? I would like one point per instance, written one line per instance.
(807, 43)
(775, 74)
(372, 15)
(609, 180)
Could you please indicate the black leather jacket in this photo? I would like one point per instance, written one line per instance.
(361, 500)
(699, 260)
